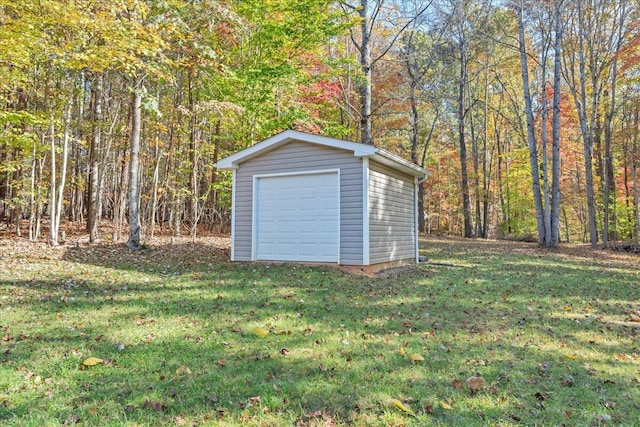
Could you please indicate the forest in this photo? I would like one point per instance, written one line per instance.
(526, 113)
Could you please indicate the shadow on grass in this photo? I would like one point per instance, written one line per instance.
(185, 316)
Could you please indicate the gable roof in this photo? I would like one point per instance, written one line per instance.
(359, 150)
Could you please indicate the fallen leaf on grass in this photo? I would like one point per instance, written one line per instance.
(542, 367)
(567, 382)
(179, 421)
(92, 361)
(445, 405)
(260, 332)
(634, 317)
(571, 356)
(416, 357)
(402, 407)
(475, 383)
(457, 384)
(183, 370)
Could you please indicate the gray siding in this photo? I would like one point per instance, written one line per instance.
(391, 215)
(299, 156)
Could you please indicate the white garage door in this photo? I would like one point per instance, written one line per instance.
(297, 217)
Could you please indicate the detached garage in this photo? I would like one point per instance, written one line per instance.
(304, 197)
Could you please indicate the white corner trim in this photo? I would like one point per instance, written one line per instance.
(233, 215)
(254, 221)
(365, 212)
(339, 214)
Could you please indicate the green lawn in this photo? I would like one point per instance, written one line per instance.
(550, 333)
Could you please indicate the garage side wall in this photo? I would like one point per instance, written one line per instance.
(391, 215)
(299, 156)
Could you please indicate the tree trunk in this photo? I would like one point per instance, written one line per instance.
(364, 88)
(154, 192)
(194, 205)
(544, 136)
(634, 177)
(587, 135)
(533, 151)
(134, 191)
(213, 195)
(609, 181)
(486, 169)
(504, 210)
(636, 198)
(464, 174)
(414, 75)
(476, 173)
(94, 161)
(555, 156)
(53, 231)
(32, 198)
(120, 197)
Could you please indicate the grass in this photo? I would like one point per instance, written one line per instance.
(548, 331)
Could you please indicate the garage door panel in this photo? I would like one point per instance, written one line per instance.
(328, 226)
(307, 249)
(286, 249)
(297, 217)
(285, 226)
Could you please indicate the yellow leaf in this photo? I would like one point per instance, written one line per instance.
(415, 357)
(92, 361)
(402, 351)
(183, 370)
(402, 407)
(572, 356)
(260, 332)
(445, 405)
(567, 308)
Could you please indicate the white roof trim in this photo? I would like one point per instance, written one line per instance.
(395, 162)
(359, 150)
